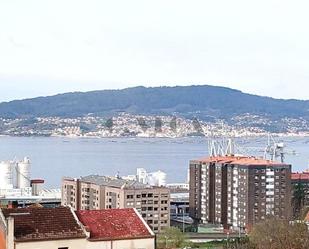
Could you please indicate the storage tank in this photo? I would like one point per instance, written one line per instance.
(141, 175)
(6, 175)
(151, 180)
(23, 173)
(157, 178)
(160, 177)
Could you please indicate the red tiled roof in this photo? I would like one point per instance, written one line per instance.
(240, 160)
(37, 181)
(114, 224)
(31, 224)
(217, 159)
(300, 176)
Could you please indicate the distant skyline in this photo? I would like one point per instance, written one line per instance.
(52, 46)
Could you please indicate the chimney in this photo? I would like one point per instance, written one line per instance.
(10, 233)
(12, 204)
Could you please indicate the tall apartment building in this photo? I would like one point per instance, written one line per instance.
(300, 192)
(100, 192)
(237, 191)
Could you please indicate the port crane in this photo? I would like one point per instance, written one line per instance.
(221, 147)
(276, 150)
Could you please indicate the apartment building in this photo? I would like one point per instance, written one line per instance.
(300, 192)
(238, 191)
(100, 192)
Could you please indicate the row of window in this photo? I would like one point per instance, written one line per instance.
(149, 195)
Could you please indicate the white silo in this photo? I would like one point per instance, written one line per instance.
(141, 175)
(23, 173)
(157, 178)
(160, 177)
(6, 175)
(151, 180)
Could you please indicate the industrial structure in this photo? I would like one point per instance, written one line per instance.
(238, 191)
(15, 178)
(157, 178)
(102, 192)
(16, 186)
(15, 174)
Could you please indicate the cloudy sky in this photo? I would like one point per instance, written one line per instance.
(49, 47)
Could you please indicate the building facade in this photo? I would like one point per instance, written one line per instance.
(237, 192)
(100, 192)
(300, 192)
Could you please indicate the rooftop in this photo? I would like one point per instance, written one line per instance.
(300, 176)
(32, 224)
(113, 182)
(241, 160)
(179, 197)
(114, 224)
(37, 181)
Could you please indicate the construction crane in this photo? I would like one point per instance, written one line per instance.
(221, 147)
(276, 150)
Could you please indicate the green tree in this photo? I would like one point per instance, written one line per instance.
(299, 195)
(171, 238)
(239, 243)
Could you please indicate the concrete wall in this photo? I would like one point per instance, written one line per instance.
(85, 244)
(53, 244)
(122, 244)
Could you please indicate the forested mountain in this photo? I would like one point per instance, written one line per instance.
(205, 102)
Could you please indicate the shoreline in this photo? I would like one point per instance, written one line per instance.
(283, 135)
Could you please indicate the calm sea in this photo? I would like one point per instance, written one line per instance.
(55, 157)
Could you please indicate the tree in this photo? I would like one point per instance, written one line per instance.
(239, 243)
(279, 234)
(299, 195)
(273, 233)
(171, 238)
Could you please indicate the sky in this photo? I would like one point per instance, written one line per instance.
(55, 46)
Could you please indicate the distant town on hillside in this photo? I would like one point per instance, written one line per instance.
(154, 112)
